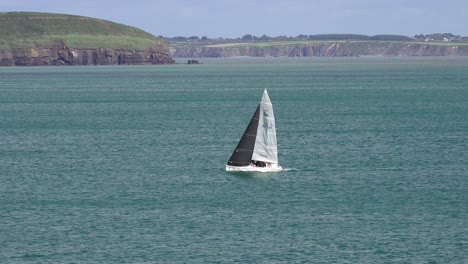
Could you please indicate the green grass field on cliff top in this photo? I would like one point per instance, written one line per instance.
(31, 30)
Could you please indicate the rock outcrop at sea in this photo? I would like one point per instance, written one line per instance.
(62, 55)
(326, 49)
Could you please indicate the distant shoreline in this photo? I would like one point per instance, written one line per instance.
(319, 49)
(322, 45)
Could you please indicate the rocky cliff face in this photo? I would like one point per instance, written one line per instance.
(62, 55)
(327, 49)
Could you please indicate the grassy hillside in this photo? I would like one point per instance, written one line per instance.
(20, 30)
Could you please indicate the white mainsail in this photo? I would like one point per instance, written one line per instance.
(266, 149)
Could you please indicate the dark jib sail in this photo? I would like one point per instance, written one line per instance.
(242, 155)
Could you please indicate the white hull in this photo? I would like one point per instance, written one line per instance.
(251, 168)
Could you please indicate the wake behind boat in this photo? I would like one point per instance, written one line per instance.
(257, 150)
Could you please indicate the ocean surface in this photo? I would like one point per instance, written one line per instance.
(125, 164)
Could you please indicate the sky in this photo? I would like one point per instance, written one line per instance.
(235, 18)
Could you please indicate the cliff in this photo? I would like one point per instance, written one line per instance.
(60, 54)
(34, 39)
(323, 49)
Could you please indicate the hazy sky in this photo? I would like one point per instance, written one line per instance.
(235, 18)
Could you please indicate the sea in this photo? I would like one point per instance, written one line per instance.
(126, 164)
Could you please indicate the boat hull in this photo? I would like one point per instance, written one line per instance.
(251, 168)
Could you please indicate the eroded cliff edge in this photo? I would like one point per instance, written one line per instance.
(58, 55)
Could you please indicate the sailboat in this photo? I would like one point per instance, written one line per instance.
(257, 150)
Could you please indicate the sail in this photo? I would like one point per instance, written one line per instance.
(266, 149)
(242, 155)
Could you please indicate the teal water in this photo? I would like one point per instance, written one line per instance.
(126, 164)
